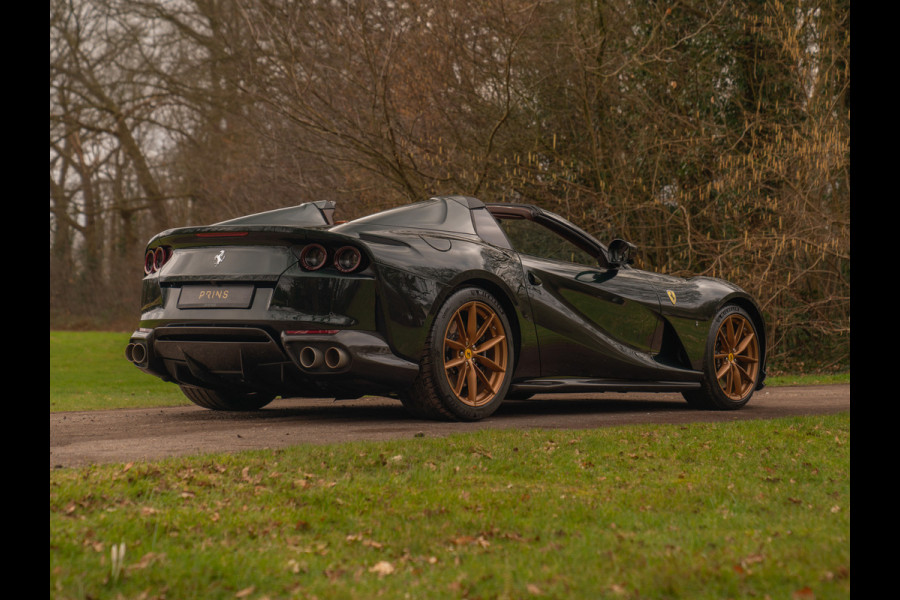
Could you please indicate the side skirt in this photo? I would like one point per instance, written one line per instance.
(559, 386)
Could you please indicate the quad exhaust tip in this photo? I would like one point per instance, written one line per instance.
(333, 358)
(136, 353)
(311, 358)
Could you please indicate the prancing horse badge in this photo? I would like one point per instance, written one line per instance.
(671, 295)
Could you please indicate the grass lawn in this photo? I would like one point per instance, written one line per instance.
(755, 509)
(88, 371)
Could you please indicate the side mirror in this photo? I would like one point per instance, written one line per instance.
(621, 253)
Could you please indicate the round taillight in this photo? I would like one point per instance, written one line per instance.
(313, 257)
(159, 258)
(347, 259)
(155, 259)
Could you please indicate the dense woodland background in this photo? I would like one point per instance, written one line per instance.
(714, 135)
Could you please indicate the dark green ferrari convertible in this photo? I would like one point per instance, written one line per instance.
(450, 304)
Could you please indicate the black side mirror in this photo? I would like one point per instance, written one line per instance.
(621, 253)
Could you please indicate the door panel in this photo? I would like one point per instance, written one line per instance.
(592, 322)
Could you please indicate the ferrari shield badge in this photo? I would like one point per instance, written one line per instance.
(671, 295)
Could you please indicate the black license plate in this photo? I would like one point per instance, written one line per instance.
(216, 296)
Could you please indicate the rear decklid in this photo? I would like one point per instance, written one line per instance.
(254, 248)
(251, 253)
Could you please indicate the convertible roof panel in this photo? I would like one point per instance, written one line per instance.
(309, 214)
(442, 213)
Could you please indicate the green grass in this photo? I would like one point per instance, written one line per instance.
(810, 379)
(748, 509)
(755, 509)
(88, 371)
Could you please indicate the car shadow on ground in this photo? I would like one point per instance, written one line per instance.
(379, 409)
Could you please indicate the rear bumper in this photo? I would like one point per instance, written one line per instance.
(346, 363)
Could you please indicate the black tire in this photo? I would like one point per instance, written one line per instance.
(416, 408)
(223, 400)
(468, 360)
(731, 365)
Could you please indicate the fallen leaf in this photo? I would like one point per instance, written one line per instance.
(147, 560)
(382, 568)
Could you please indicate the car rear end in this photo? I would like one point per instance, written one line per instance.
(263, 308)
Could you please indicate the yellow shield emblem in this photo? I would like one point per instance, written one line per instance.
(671, 295)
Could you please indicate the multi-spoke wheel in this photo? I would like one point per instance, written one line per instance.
(475, 353)
(468, 362)
(731, 366)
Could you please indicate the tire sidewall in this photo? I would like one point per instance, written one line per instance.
(438, 376)
(225, 400)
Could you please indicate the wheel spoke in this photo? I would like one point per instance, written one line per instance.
(490, 344)
(484, 380)
(723, 370)
(461, 328)
(732, 384)
(740, 380)
(737, 334)
(489, 363)
(721, 341)
(729, 333)
(460, 379)
(472, 327)
(456, 345)
(744, 343)
(745, 375)
(472, 383)
(484, 327)
(453, 363)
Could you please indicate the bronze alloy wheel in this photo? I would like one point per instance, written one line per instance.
(736, 357)
(476, 353)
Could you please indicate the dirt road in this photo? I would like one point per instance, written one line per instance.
(82, 438)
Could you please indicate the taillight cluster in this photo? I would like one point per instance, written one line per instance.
(345, 259)
(154, 259)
